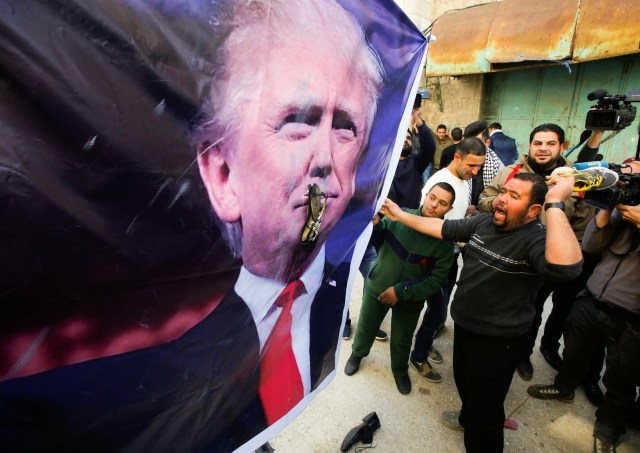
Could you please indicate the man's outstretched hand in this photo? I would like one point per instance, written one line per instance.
(390, 210)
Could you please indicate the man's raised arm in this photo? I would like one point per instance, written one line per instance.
(562, 247)
(430, 226)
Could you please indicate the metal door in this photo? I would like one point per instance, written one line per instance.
(522, 99)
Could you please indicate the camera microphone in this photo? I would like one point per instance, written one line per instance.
(585, 165)
(581, 166)
(597, 94)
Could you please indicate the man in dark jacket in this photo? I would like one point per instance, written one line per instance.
(503, 145)
(607, 311)
(407, 181)
(507, 256)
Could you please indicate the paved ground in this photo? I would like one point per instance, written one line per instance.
(411, 423)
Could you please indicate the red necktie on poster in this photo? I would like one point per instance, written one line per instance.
(280, 382)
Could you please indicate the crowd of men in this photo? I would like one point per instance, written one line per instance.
(524, 234)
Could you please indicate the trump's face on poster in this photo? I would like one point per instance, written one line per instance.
(305, 121)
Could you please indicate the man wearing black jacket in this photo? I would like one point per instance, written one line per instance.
(507, 256)
(407, 182)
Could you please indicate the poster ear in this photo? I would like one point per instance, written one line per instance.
(216, 175)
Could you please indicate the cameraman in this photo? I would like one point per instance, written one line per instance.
(608, 311)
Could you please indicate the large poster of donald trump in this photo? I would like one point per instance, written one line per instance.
(183, 187)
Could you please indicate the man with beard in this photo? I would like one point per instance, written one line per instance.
(507, 256)
(546, 145)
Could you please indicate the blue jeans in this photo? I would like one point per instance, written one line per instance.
(368, 259)
(434, 318)
(426, 174)
(366, 264)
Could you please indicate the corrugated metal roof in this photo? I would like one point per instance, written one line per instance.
(520, 33)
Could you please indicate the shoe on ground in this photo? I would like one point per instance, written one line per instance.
(347, 332)
(435, 356)
(403, 383)
(550, 392)
(525, 369)
(593, 392)
(552, 357)
(265, 448)
(451, 420)
(364, 432)
(353, 365)
(381, 335)
(426, 370)
(602, 446)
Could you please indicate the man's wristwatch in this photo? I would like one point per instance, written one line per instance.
(557, 204)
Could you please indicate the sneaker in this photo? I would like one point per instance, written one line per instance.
(435, 356)
(381, 335)
(451, 420)
(403, 383)
(525, 369)
(602, 446)
(594, 178)
(550, 392)
(426, 370)
(346, 332)
(353, 365)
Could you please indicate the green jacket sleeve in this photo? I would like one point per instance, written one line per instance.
(420, 288)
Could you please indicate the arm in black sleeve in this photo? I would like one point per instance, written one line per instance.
(587, 154)
(590, 149)
(427, 147)
(377, 235)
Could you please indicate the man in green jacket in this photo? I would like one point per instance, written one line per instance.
(410, 268)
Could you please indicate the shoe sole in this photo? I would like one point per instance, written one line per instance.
(437, 361)
(551, 398)
(382, 339)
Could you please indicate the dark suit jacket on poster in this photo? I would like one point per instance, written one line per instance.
(196, 393)
(505, 147)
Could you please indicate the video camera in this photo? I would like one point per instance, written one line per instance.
(626, 192)
(608, 114)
